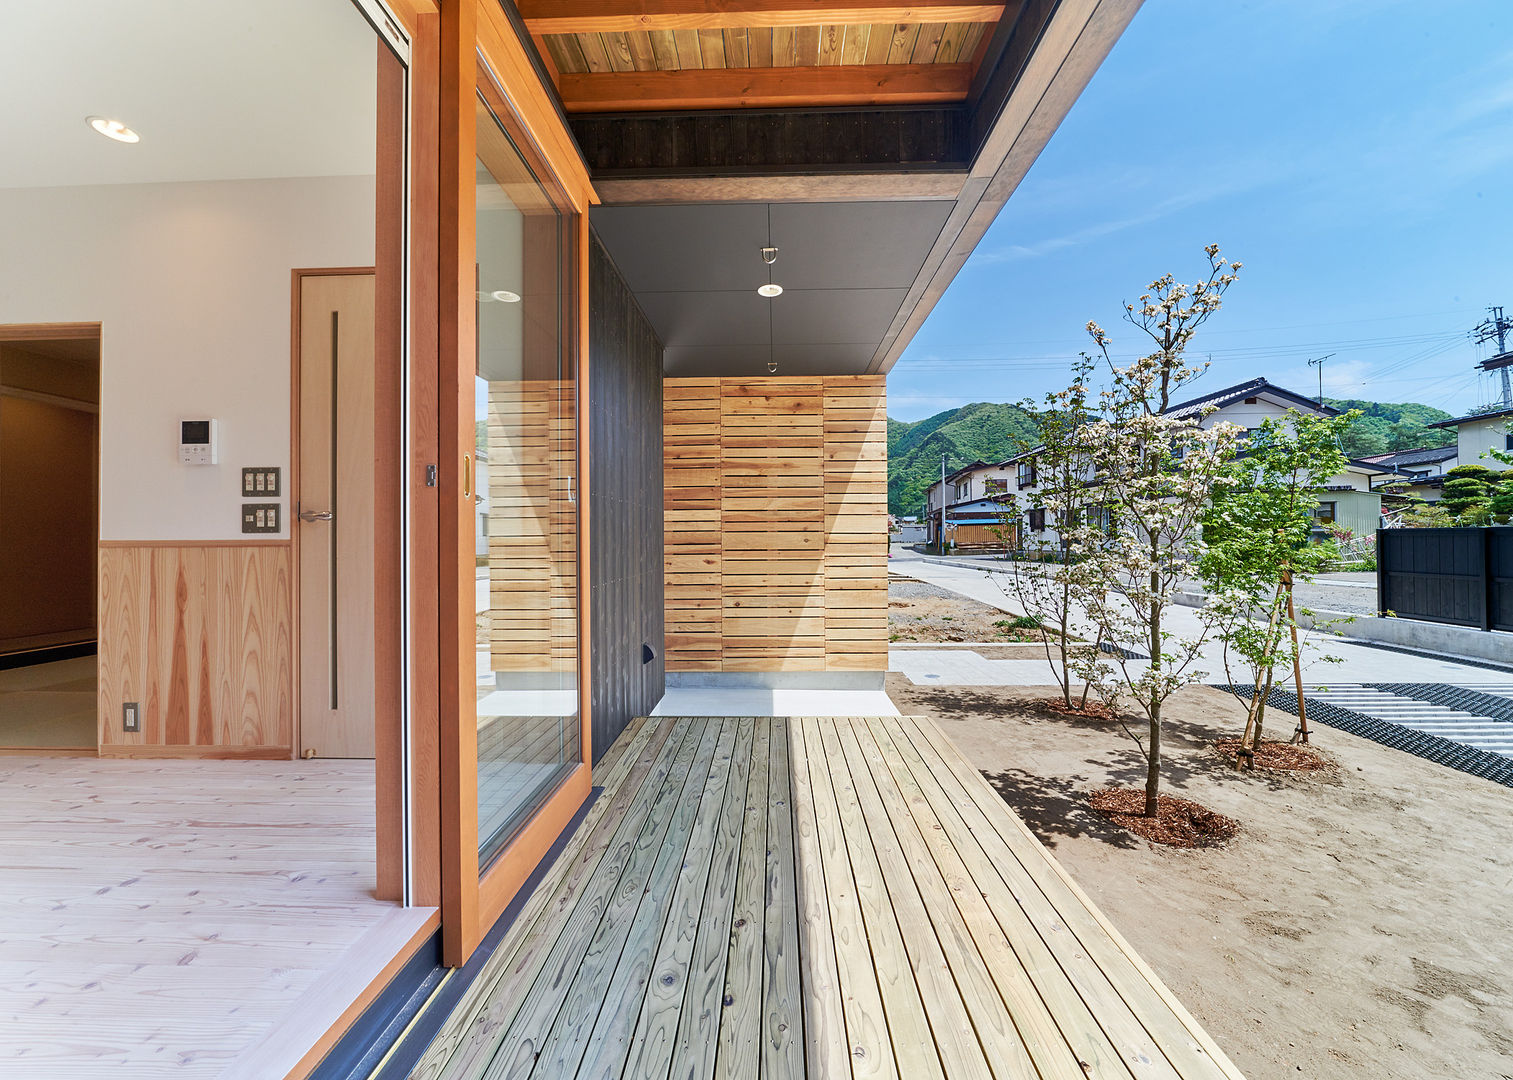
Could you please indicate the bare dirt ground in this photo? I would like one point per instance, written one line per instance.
(1360, 924)
(918, 611)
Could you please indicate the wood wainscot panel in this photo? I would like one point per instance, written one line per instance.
(775, 514)
(200, 636)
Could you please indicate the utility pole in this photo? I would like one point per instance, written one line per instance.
(1319, 363)
(940, 537)
(1496, 329)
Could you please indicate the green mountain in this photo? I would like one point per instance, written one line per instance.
(980, 431)
(1385, 426)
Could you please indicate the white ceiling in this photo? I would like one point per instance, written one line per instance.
(217, 89)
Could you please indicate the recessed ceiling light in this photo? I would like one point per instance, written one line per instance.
(770, 290)
(112, 129)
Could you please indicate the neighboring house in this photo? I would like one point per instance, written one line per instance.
(1476, 433)
(963, 485)
(1422, 470)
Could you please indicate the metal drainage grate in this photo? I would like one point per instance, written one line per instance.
(1483, 763)
(1120, 651)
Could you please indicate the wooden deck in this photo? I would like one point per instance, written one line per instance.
(819, 897)
(185, 919)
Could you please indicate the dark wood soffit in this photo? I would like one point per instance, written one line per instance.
(791, 142)
(620, 16)
(1053, 67)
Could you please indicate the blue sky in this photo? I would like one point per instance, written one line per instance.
(1355, 155)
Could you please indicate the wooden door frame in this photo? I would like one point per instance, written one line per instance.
(477, 43)
(20, 333)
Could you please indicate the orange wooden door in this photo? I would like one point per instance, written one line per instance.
(333, 525)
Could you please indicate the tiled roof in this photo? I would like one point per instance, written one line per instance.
(1254, 388)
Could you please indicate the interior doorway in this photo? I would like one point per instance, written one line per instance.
(334, 511)
(49, 528)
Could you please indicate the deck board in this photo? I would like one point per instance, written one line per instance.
(816, 897)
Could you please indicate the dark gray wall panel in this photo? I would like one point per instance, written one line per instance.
(625, 520)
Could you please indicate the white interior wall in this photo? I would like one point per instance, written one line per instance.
(191, 285)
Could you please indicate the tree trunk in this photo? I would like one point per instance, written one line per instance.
(1153, 765)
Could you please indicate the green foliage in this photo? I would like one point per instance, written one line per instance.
(1257, 534)
(1472, 470)
(1501, 504)
(1383, 426)
(1463, 492)
(978, 431)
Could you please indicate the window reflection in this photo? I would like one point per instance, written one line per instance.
(526, 516)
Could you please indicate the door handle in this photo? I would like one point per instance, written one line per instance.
(315, 515)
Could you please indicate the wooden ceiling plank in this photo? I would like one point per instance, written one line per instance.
(904, 37)
(854, 43)
(879, 41)
(597, 16)
(830, 45)
(927, 46)
(565, 53)
(595, 55)
(950, 43)
(806, 46)
(736, 52)
(642, 52)
(861, 84)
(664, 49)
(618, 47)
(712, 48)
(689, 55)
(782, 47)
(759, 42)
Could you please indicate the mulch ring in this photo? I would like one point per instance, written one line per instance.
(1092, 710)
(1178, 823)
(1284, 757)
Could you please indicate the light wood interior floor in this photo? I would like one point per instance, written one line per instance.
(183, 918)
(826, 898)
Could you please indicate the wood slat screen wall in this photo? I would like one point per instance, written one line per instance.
(201, 636)
(775, 514)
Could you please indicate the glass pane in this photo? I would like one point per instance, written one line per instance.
(527, 519)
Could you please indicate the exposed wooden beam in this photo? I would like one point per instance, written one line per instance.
(734, 88)
(618, 16)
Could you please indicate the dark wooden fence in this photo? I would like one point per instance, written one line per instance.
(1461, 576)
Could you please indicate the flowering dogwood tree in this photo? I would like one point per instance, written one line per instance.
(1154, 474)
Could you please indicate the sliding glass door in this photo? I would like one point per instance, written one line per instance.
(525, 490)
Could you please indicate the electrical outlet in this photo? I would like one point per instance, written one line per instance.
(131, 716)
(260, 517)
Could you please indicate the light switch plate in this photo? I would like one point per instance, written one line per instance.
(260, 481)
(260, 517)
(131, 716)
